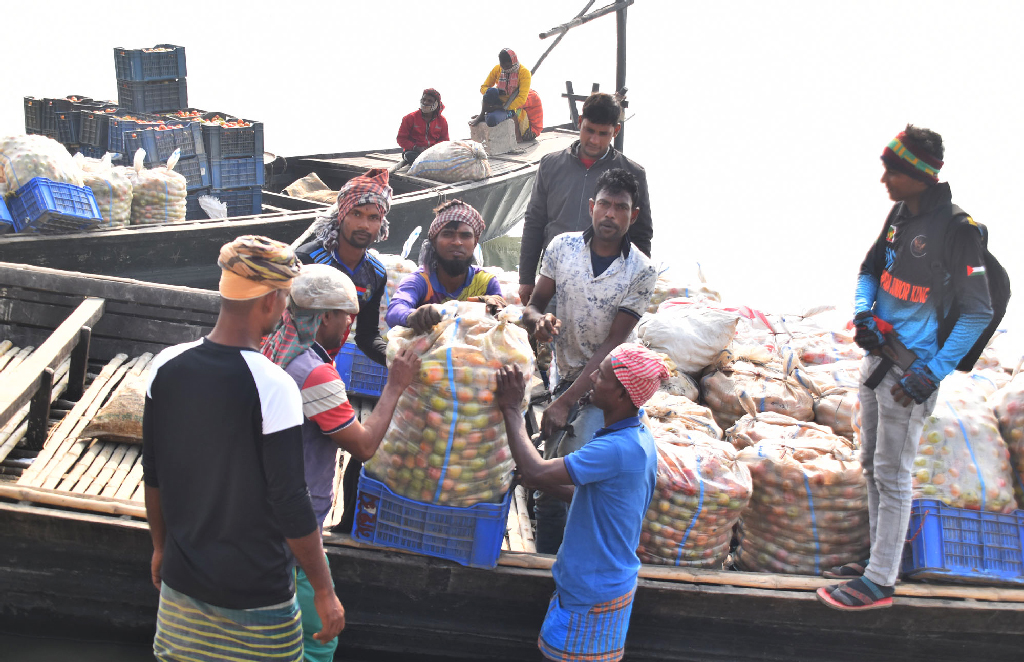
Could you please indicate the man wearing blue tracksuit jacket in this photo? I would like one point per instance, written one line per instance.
(928, 256)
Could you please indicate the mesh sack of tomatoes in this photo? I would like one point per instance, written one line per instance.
(1008, 406)
(700, 493)
(733, 389)
(111, 186)
(962, 459)
(808, 510)
(25, 157)
(446, 443)
(676, 412)
(397, 268)
(159, 195)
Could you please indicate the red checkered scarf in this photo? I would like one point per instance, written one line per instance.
(456, 211)
(640, 371)
(508, 81)
(370, 188)
(293, 335)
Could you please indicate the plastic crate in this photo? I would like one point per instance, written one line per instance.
(92, 152)
(956, 544)
(149, 64)
(161, 143)
(184, 115)
(196, 172)
(361, 375)
(248, 202)
(33, 115)
(152, 97)
(122, 122)
(237, 173)
(95, 128)
(6, 222)
(228, 141)
(46, 206)
(469, 536)
(67, 129)
(193, 212)
(51, 108)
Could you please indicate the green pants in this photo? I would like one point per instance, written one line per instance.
(313, 650)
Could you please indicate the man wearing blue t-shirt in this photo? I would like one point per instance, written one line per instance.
(609, 483)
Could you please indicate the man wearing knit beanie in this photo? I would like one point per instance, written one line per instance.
(609, 482)
(928, 259)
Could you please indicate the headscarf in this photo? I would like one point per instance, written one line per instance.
(436, 106)
(370, 188)
(923, 167)
(508, 81)
(252, 266)
(453, 211)
(318, 288)
(639, 370)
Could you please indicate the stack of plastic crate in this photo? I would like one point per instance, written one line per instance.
(151, 80)
(235, 149)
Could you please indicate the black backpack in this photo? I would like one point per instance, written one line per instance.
(998, 290)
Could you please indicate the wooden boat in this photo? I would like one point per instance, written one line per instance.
(81, 562)
(185, 253)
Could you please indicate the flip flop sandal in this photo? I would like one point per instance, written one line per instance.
(825, 596)
(848, 571)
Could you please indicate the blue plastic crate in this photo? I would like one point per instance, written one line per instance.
(34, 115)
(162, 62)
(122, 122)
(469, 536)
(161, 143)
(46, 206)
(244, 202)
(361, 375)
(195, 171)
(233, 141)
(6, 222)
(237, 173)
(92, 152)
(152, 97)
(956, 544)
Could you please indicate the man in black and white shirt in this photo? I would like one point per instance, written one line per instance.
(226, 496)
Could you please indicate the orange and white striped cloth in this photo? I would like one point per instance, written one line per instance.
(640, 371)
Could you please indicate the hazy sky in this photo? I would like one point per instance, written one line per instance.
(759, 123)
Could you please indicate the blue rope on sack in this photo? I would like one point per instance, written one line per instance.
(970, 449)
(455, 416)
(696, 513)
(814, 527)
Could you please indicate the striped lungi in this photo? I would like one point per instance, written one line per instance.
(597, 635)
(188, 630)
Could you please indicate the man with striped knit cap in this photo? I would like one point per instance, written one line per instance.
(610, 482)
(928, 259)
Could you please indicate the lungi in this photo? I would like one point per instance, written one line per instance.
(597, 635)
(192, 631)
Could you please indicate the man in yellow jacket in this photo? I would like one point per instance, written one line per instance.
(505, 91)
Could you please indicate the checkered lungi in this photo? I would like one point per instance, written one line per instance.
(597, 635)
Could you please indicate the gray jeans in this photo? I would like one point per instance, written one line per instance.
(890, 433)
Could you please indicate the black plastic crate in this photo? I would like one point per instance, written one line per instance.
(237, 173)
(184, 114)
(196, 172)
(152, 97)
(67, 129)
(34, 115)
(95, 127)
(162, 62)
(92, 152)
(242, 201)
(230, 140)
(160, 141)
(51, 108)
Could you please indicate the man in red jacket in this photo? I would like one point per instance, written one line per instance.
(423, 128)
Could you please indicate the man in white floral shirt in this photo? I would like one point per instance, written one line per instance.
(601, 285)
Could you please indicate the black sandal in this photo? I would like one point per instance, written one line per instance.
(848, 571)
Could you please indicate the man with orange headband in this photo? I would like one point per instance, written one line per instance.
(610, 482)
(225, 492)
(928, 259)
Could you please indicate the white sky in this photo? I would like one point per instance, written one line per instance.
(759, 123)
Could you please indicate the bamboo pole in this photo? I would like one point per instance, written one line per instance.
(139, 494)
(7, 442)
(69, 481)
(59, 434)
(131, 483)
(525, 527)
(72, 500)
(7, 350)
(16, 359)
(71, 446)
(514, 539)
(107, 470)
(121, 472)
(90, 473)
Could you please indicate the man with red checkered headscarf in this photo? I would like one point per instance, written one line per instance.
(610, 482)
(446, 270)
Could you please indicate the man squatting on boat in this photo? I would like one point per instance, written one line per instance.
(897, 288)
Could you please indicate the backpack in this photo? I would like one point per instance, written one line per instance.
(998, 290)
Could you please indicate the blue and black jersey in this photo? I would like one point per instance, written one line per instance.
(918, 259)
(371, 280)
